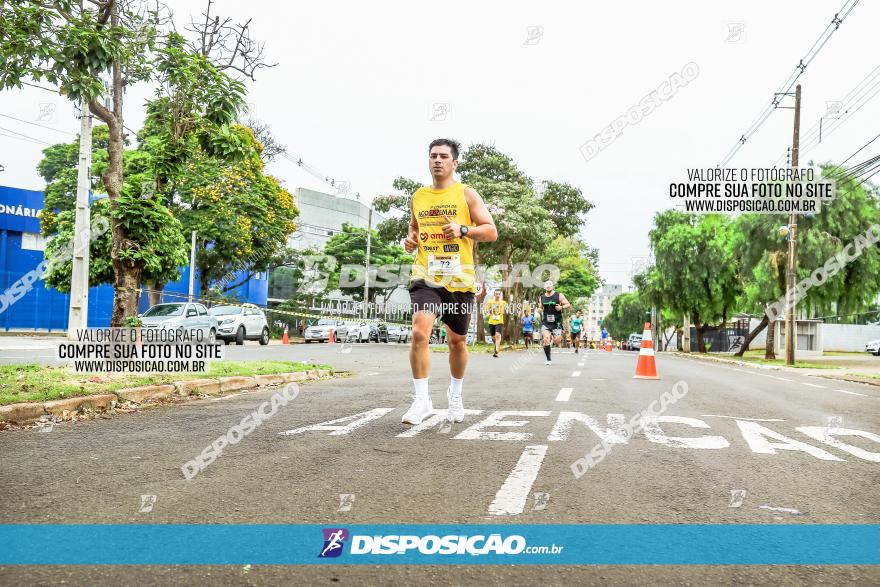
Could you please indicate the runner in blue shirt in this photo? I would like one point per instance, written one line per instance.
(528, 327)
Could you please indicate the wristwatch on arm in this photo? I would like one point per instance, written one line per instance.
(464, 230)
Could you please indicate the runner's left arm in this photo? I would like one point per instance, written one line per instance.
(563, 301)
(484, 230)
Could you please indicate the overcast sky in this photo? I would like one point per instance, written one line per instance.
(356, 85)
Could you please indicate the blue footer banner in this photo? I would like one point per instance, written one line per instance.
(484, 544)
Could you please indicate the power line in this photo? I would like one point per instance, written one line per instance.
(848, 108)
(789, 83)
(22, 136)
(38, 125)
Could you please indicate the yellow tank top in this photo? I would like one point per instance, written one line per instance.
(440, 261)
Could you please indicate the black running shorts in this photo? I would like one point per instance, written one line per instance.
(453, 307)
(496, 328)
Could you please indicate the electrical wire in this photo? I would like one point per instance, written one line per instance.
(786, 87)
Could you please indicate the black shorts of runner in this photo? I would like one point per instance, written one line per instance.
(554, 329)
(453, 307)
(496, 328)
(527, 335)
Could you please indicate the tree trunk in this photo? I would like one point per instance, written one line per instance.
(481, 333)
(126, 274)
(154, 292)
(701, 344)
(752, 335)
(770, 352)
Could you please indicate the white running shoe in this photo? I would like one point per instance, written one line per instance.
(420, 409)
(546, 362)
(455, 413)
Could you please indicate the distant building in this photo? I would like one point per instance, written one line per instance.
(322, 215)
(598, 308)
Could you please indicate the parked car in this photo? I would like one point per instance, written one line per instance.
(379, 332)
(321, 331)
(358, 332)
(398, 333)
(634, 342)
(181, 315)
(240, 323)
(873, 347)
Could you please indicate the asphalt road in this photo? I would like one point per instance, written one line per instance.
(748, 464)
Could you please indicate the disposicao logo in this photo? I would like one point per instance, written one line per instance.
(334, 540)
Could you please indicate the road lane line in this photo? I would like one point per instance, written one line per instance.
(514, 493)
(597, 380)
(812, 385)
(740, 418)
(580, 364)
(576, 374)
(850, 392)
(564, 394)
(784, 379)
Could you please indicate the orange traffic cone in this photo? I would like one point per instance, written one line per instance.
(331, 340)
(285, 339)
(645, 368)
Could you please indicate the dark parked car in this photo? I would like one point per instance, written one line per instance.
(379, 332)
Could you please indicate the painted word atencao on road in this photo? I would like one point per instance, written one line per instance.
(513, 495)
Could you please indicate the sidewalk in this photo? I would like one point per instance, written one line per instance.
(851, 367)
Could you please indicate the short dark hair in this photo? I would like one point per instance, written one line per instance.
(454, 145)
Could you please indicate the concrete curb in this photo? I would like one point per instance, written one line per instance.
(700, 357)
(852, 379)
(27, 413)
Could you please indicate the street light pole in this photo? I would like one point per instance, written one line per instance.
(791, 314)
(369, 242)
(78, 314)
(192, 267)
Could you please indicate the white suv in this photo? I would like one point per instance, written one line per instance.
(873, 347)
(240, 323)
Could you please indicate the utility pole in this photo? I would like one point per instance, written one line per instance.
(686, 339)
(369, 242)
(78, 314)
(790, 313)
(192, 267)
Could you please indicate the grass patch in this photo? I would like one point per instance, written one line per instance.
(757, 357)
(39, 383)
(866, 375)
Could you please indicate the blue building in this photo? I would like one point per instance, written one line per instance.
(35, 306)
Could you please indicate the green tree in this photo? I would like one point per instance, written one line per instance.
(349, 247)
(73, 45)
(242, 217)
(162, 247)
(628, 315)
(695, 271)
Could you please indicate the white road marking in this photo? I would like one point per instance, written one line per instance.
(775, 509)
(597, 380)
(757, 437)
(432, 421)
(654, 433)
(784, 379)
(812, 385)
(826, 435)
(564, 394)
(336, 428)
(514, 493)
(616, 432)
(477, 432)
(373, 373)
(851, 392)
(740, 418)
(580, 364)
(576, 374)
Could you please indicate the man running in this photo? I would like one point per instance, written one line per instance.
(553, 304)
(576, 325)
(495, 308)
(528, 327)
(445, 220)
